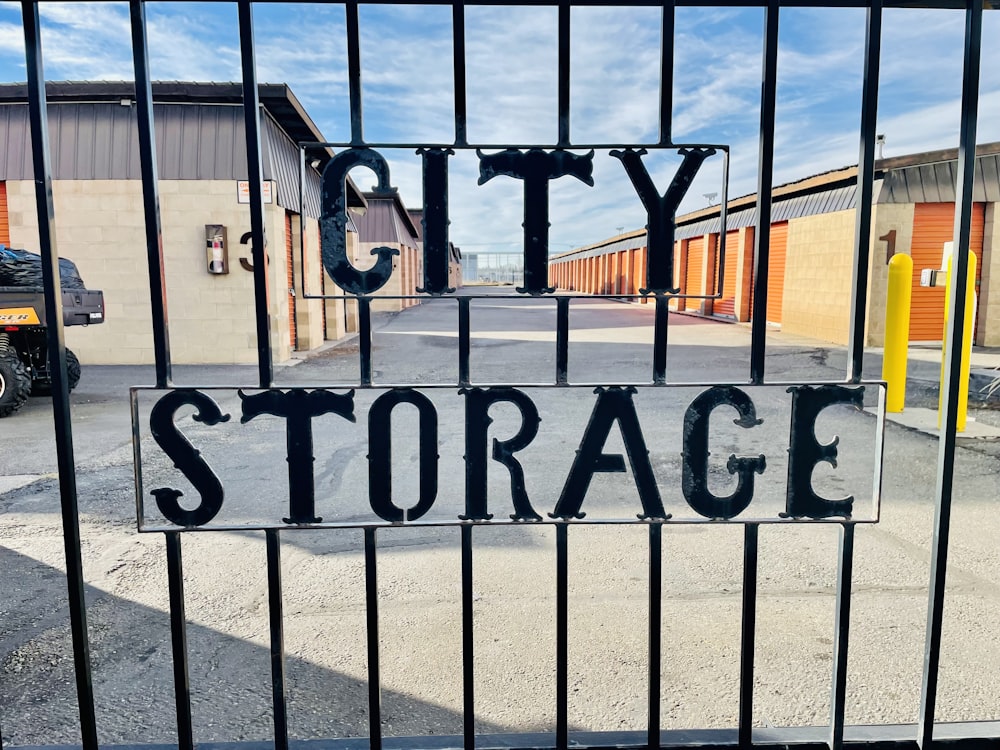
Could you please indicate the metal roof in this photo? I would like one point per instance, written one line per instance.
(810, 204)
(417, 219)
(935, 183)
(386, 220)
(200, 135)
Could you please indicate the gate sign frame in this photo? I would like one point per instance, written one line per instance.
(535, 167)
(613, 411)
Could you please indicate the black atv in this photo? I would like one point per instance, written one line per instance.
(24, 365)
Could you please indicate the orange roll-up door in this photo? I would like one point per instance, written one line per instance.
(638, 270)
(692, 279)
(727, 305)
(934, 225)
(776, 271)
(4, 222)
(291, 278)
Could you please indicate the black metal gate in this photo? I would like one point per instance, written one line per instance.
(534, 164)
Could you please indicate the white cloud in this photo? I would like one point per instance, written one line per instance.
(511, 71)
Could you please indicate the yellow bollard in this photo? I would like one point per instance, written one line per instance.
(963, 377)
(897, 331)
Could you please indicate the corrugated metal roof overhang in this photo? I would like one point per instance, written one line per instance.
(935, 183)
(276, 98)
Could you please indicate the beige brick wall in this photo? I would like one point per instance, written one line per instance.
(744, 274)
(99, 225)
(818, 272)
(989, 302)
(308, 283)
(886, 217)
(407, 264)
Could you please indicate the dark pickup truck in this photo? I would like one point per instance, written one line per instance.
(24, 363)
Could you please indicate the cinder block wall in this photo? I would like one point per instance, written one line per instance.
(886, 217)
(308, 284)
(818, 272)
(404, 273)
(988, 333)
(100, 226)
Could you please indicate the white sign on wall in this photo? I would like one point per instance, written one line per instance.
(243, 191)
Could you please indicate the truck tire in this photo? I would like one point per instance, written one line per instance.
(44, 388)
(15, 384)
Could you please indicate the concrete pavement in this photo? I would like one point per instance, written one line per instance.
(419, 568)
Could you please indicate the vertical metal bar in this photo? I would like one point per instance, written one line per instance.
(866, 175)
(178, 641)
(667, 71)
(762, 237)
(140, 512)
(841, 635)
(655, 630)
(468, 644)
(562, 340)
(150, 193)
(464, 336)
(365, 338)
(562, 636)
(62, 423)
(564, 71)
(723, 225)
(371, 610)
(724, 205)
(748, 636)
(277, 625)
(251, 116)
(302, 243)
(354, 71)
(953, 355)
(458, 51)
(660, 318)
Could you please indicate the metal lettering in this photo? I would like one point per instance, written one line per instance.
(477, 421)
(333, 222)
(661, 211)
(805, 451)
(186, 457)
(437, 251)
(536, 168)
(298, 407)
(380, 455)
(614, 404)
(694, 478)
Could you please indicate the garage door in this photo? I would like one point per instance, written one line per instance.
(638, 270)
(776, 271)
(934, 225)
(290, 279)
(692, 278)
(4, 223)
(727, 305)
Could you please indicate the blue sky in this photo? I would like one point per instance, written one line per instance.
(407, 86)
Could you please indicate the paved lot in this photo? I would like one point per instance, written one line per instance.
(419, 569)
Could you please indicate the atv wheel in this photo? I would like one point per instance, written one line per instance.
(44, 387)
(15, 385)
(72, 369)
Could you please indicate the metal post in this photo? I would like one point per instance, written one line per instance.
(897, 331)
(956, 306)
(251, 118)
(964, 373)
(62, 422)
